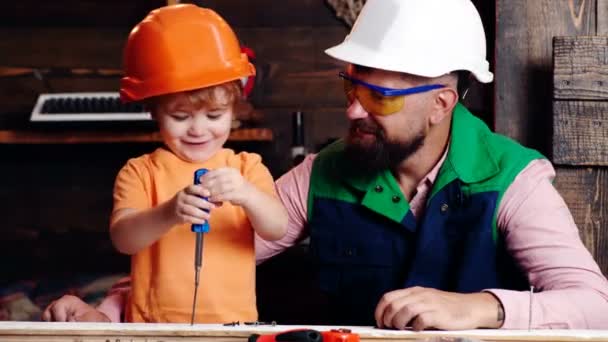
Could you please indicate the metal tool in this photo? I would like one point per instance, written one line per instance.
(199, 229)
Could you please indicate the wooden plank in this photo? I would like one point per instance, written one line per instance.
(117, 13)
(98, 136)
(85, 332)
(580, 68)
(584, 190)
(524, 31)
(580, 133)
(602, 17)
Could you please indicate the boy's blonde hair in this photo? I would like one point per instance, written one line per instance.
(227, 94)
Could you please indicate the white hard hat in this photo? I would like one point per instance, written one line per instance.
(427, 38)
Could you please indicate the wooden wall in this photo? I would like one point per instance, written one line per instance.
(524, 95)
(56, 198)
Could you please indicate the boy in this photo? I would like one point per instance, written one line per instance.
(184, 62)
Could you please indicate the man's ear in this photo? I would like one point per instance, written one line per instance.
(445, 101)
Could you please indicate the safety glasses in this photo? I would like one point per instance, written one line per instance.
(379, 100)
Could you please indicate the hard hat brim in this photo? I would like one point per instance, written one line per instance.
(352, 53)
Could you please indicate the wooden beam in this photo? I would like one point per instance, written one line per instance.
(602, 17)
(524, 32)
(585, 190)
(83, 137)
(580, 133)
(580, 68)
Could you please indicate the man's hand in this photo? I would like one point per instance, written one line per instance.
(72, 309)
(424, 308)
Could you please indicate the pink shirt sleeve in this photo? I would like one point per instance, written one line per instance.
(541, 235)
(292, 189)
(113, 305)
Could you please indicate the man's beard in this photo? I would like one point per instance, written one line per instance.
(380, 154)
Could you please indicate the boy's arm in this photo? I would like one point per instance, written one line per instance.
(292, 189)
(132, 230)
(135, 225)
(248, 183)
(266, 214)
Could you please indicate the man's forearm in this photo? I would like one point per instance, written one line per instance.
(112, 306)
(554, 309)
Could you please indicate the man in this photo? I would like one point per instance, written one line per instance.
(422, 217)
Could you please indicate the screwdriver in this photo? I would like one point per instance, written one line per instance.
(198, 229)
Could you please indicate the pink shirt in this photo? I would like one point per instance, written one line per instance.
(539, 232)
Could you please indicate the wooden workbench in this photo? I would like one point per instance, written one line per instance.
(114, 332)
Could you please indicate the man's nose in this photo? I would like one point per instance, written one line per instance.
(355, 111)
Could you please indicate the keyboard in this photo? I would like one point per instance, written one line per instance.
(87, 107)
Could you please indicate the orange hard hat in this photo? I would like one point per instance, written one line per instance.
(179, 48)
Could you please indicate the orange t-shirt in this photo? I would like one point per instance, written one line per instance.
(163, 273)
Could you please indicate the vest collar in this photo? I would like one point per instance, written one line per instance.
(469, 157)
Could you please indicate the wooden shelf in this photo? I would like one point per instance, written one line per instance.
(79, 137)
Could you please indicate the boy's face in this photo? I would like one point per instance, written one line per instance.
(193, 134)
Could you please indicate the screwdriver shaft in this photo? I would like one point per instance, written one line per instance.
(198, 261)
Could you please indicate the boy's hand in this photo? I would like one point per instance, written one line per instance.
(226, 184)
(188, 206)
(72, 309)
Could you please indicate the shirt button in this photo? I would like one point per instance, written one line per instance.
(396, 199)
(378, 188)
(444, 207)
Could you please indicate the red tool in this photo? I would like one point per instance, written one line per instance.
(307, 335)
(340, 335)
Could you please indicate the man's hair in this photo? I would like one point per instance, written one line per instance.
(465, 79)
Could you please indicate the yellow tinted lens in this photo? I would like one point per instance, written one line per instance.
(375, 103)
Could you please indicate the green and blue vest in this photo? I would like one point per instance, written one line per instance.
(367, 242)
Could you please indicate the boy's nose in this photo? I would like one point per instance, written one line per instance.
(355, 111)
(198, 126)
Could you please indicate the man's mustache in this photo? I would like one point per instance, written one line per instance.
(364, 126)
